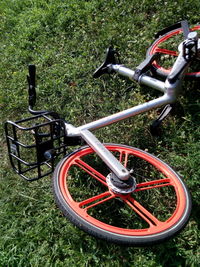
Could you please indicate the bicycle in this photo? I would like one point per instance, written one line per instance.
(132, 197)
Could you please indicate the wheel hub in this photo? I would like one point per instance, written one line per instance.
(121, 186)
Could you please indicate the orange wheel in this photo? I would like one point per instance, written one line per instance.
(167, 46)
(158, 208)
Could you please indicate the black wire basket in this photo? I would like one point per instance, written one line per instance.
(35, 145)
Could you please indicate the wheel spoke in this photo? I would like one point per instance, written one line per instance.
(130, 222)
(96, 200)
(123, 158)
(166, 51)
(153, 184)
(143, 212)
(90, 170)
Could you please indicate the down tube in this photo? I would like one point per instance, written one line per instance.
(163, 100)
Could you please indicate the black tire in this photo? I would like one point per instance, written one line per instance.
(194, 70)
(95, 228)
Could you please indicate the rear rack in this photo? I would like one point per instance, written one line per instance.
(35, 144)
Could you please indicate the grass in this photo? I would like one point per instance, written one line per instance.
(67, 40)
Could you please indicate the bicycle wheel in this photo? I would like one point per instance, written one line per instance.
(157, 209)
(167, 46)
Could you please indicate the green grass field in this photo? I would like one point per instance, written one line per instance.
(67, 41)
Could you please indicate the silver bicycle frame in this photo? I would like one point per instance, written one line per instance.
(170, 90)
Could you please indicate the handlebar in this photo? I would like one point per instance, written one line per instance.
(188, 50)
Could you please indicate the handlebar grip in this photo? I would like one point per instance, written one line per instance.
(32, 74)
(31, 85)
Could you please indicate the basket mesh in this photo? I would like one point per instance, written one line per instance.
(35, 145)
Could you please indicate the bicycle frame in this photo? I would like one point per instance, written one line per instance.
(73, 135)
(170, 90)
(36, 145)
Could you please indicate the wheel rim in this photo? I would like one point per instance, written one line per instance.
(167, 46)
(147, 222)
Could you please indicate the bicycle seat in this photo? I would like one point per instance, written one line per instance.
(109, 59)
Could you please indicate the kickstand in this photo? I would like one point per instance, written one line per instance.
(154, 127)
